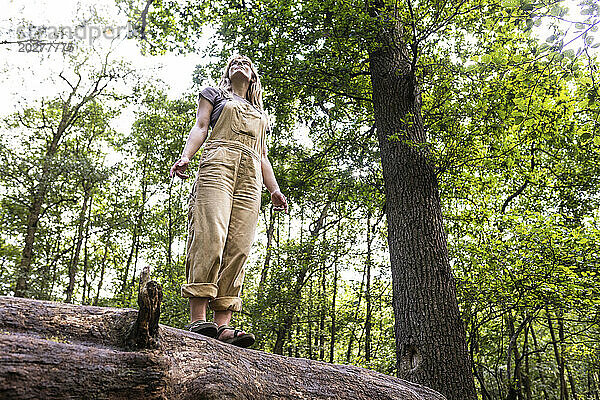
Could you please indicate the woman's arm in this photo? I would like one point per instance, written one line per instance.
(277, 198)
(196, 138)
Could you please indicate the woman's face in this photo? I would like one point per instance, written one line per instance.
(240, 69)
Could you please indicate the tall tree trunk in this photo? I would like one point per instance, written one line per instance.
(53, 270)
(353, 329)
(512, 379)
(518, 373)
(539, 360)
(564, 393)
(322, 312)
(132, 257)
(79, 241)
(102, 267)
(309, 323)
(571, 382)
(322, 306)
(296, 347)
(474, 348)
(84, 298)
(527, 373)
(424, 299)
(594, 376)
(335, 277)
(269, 251)
(33, 218)
(134, 275)
(85, 285)
(170, 229)
(300, 278)
(289, 340)
(368, 294)
(125, 293)
(563, 350)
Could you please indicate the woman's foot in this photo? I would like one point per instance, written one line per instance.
(236, 337)
(203, 328)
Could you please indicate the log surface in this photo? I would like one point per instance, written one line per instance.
(55, 350)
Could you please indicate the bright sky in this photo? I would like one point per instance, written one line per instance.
(27, 77)
(24, 76)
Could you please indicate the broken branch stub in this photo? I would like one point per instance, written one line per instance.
(144, 332)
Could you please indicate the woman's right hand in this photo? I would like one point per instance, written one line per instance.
(197, 136)
(179, 168)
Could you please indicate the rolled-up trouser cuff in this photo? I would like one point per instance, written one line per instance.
(226, 303)
(199, 290)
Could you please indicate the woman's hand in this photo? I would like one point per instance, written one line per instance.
(279, 201)
(196, 138)
(179, 168)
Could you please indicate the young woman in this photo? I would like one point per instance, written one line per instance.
(225, 199)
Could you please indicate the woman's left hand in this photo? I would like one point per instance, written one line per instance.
(279, 201)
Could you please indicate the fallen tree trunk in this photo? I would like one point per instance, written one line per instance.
(53, 350)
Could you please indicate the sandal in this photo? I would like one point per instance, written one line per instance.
(239, 339)
(203, 328)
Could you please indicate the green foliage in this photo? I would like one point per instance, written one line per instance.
(511, 125)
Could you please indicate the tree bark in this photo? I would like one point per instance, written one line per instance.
(426, 312)
(144, 333)
(69, 351)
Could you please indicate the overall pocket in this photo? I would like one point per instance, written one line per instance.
(246, 124)
(208, 154)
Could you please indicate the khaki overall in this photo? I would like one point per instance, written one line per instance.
(224, 206)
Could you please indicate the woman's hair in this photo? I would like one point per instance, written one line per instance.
(254, 93)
